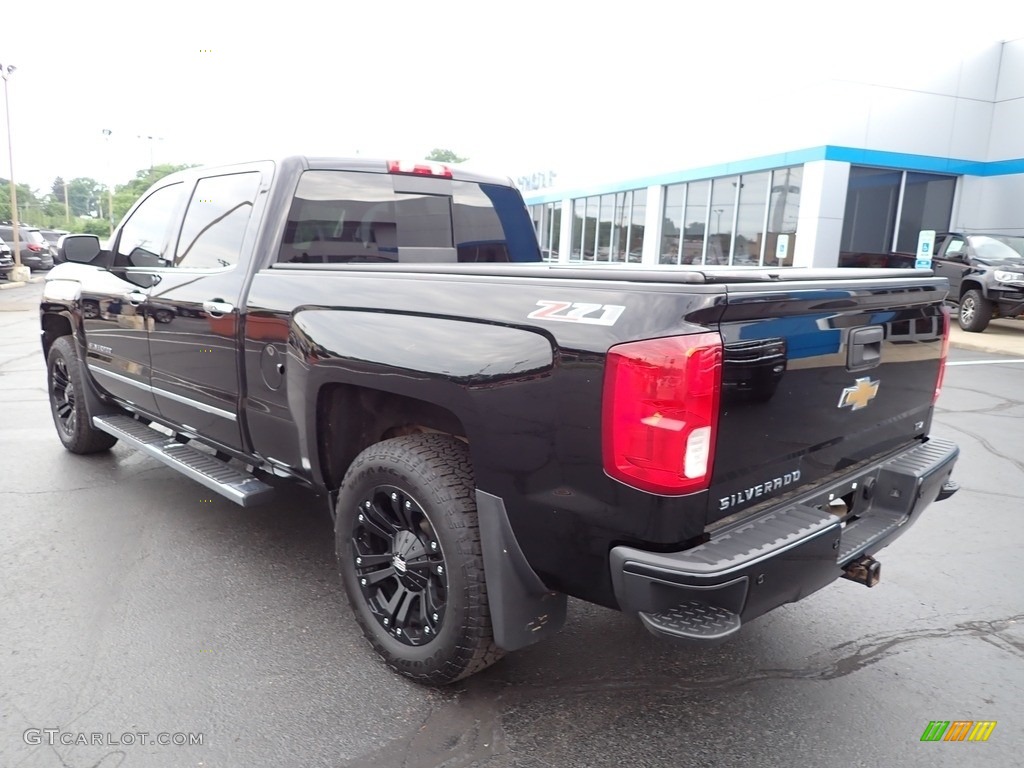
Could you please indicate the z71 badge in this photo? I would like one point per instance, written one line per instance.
(577, 312)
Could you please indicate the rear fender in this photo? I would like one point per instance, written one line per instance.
(454, 365)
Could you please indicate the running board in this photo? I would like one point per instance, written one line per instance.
(220, 477)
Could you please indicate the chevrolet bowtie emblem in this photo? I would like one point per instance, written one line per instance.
(859, 395)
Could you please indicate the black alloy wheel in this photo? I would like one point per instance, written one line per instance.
(400, 565)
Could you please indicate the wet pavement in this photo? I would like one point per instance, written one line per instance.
(131, 601)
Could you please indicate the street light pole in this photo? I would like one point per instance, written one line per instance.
(19, 271)
(110, 186)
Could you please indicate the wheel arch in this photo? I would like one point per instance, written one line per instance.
(351, 418)
(54, 325)
(968, 285)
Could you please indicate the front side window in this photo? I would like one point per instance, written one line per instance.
(216, 221)
(144, 240)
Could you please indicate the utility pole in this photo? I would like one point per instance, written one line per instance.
(67, 204)
(151, 139)
(19, 272)
(110, 185)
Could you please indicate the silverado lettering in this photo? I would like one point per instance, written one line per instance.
(379, 332)
(767, 487)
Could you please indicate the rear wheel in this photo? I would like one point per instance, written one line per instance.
(67, 401)
(975, 311)
(408, 548)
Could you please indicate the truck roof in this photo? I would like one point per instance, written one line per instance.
(320, 162)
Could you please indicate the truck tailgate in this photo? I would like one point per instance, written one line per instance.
(819, 377)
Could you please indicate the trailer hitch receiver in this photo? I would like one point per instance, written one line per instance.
(864, 570)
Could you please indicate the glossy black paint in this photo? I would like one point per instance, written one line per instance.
(332, 358)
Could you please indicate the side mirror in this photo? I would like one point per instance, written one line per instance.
(82, 249)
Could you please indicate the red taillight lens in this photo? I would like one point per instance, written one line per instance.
(34, 248)
(661, 412)
(944, 354)
(420, 169)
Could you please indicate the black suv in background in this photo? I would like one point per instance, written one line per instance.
(35, 251)
(986, 275)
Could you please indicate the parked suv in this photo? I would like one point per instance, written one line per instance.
(52, 237)
(35, 251)
(6, 260)
(986, 275)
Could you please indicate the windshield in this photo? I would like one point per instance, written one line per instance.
(996, 248)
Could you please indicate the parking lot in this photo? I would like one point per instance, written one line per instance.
(132, 600)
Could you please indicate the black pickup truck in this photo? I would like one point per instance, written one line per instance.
(490, 433)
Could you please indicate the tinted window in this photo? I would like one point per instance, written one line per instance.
(349, 216)
(143, 239)
(216, 220)
(927, 204)
(491, 224)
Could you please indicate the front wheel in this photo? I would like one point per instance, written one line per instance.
(67, 401)
(408, 548)
(975, 311)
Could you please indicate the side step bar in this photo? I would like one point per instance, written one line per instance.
(220, 477)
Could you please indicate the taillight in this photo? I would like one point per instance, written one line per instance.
(420, 169)
(660, 412)
(34, 248)
(944, 355)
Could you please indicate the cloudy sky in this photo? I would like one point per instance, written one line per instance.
(517, 87)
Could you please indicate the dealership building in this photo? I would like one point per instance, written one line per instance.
(843, 168)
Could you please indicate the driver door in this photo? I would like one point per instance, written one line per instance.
(113, 300)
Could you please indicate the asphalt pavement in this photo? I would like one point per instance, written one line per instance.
(133, 601)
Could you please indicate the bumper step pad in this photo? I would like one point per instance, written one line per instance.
(694, 621)
(220, 477)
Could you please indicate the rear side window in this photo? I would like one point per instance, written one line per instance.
(216, 221)
(357, 217)
(492, 224)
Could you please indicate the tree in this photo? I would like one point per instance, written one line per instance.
(125, 195)
(445, 156)
(85, 196)
(28, 203)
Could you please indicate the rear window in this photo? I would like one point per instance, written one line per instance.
(356, 217)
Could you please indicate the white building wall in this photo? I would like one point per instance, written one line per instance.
(966, 104)
(822, 205)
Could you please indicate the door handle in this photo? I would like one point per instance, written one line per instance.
(135, 298)
(218, 307)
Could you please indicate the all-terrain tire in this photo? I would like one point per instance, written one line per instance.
(66, 389)
(408, 548)
(975, 311)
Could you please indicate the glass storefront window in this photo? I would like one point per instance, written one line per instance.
(696, 218)
(927, 204)
(637, 212)
(870, 218)
(579, 218)
(672, 224)
(723, 207)
(605, 216)
(748, 242)
(783, 211)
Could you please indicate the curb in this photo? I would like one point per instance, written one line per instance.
(20, 284)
